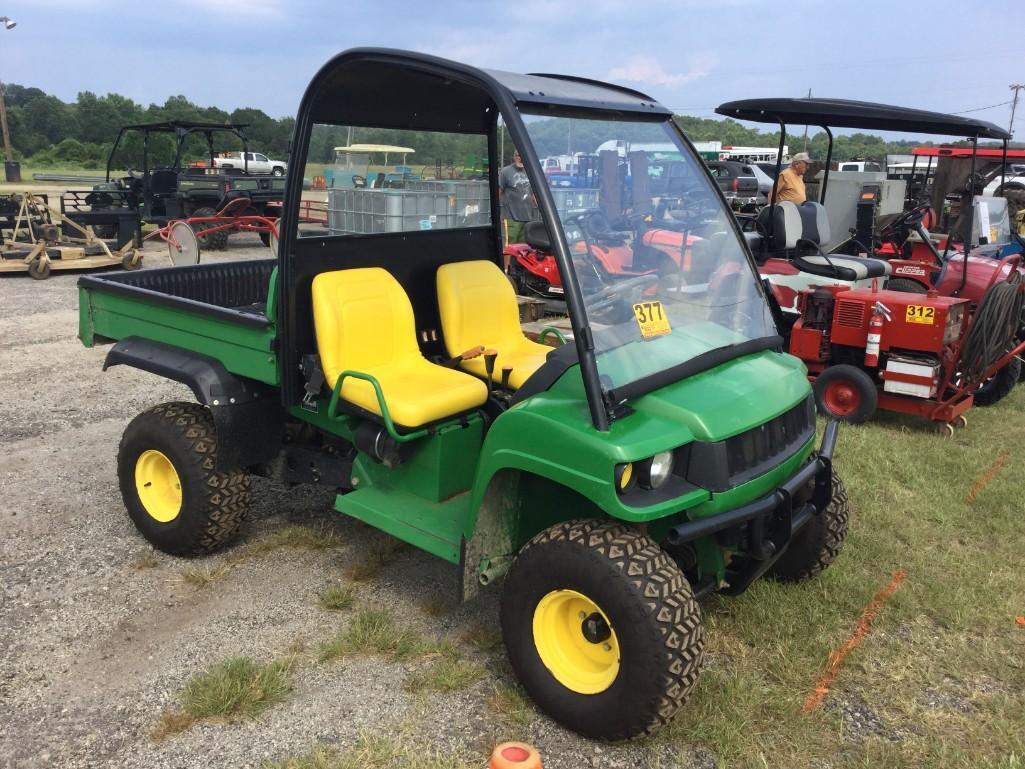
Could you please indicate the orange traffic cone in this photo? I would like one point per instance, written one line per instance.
(515, 755)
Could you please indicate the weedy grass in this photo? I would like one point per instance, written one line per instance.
(511, 706)
(446, 674)
(336, 597)
(374, 752)
(294, 536)
(373, 631)
(940, 679)
(235, 689)
(204, 576)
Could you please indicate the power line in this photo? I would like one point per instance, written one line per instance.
(982, 109)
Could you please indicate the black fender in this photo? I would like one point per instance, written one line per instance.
(248, 417)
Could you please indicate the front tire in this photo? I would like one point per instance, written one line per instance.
(174, 494)
(602, 628)
(278, 171)
(846, 393)
(818, 544)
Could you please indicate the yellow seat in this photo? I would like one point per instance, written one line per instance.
(478, 307)
(364, 322)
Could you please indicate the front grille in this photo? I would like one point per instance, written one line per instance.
(724, 464)
(850, 314)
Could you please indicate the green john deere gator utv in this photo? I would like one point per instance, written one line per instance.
(665, 452)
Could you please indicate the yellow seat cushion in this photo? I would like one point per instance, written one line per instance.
(478, 307)
(364, 322)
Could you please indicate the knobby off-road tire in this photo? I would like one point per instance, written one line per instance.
(997, 387)
(216, 241)
(819, 543)
(614, 579)
(171, 489)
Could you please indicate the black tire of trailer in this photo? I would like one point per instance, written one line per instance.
(216, 241)
(997, 387)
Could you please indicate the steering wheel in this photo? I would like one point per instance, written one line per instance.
(907, 220)
(613, 294)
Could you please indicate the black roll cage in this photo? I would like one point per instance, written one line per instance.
(181, 130)
(467, 99)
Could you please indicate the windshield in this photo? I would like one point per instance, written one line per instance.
(663, 273)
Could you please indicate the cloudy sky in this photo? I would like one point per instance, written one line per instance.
(689, 54)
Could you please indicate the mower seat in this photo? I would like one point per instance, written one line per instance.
(364, 322)
(478, 307)
(842, 267)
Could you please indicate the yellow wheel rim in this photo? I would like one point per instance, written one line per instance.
(576, 641)
(158, 486)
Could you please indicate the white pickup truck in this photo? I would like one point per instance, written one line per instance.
(254, 163)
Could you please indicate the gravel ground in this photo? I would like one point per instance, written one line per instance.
(98, 634)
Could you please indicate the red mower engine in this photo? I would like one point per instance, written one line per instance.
(869, 348)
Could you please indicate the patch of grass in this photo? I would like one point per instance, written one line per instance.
(447, 674)
(294, 536)
(147, 560)
(204, 576)
(336, 597)
(373, 752)
(373, 631)
(380, 553)
(511, 706)
(234, 689)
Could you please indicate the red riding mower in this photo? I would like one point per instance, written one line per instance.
(610, 255)
(867, 348)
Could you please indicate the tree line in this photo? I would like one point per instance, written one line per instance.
(46, 131)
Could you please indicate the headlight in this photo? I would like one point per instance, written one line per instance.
(655, 471)
(624, 477)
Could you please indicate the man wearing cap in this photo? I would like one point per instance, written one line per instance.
(790, 185)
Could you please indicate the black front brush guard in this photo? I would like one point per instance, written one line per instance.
(773, 520)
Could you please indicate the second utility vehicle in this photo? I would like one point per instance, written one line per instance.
(667, 452)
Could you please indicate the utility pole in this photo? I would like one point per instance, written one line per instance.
(11, 172)
(1014, 103)
(806, 129)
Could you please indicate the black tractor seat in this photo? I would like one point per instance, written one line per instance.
(842, 267)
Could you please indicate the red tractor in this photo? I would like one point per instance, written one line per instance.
(867, 349)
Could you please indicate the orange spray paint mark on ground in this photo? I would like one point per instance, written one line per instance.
(836, 659)
(985, 478)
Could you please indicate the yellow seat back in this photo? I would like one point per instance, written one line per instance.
(363, 321)
(477, 306)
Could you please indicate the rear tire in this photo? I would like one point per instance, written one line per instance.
(215, 241)
(846, 393)
(906, 285)
(818, 544)
(602, 628)
(997, 387)
(174, 494)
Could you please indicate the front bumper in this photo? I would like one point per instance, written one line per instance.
(770, 522)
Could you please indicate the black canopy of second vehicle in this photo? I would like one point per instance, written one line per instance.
(845, 113)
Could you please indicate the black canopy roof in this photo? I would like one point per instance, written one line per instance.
(184, 125)
(390, 88)
(844, 113)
